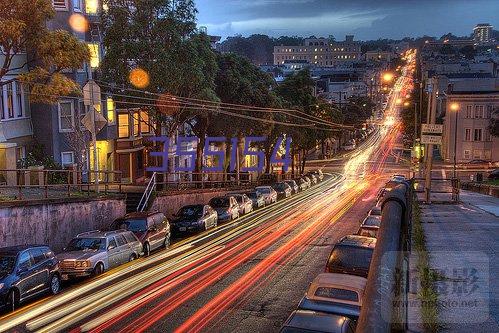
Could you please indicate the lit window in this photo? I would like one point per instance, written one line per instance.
(94, 55)
(136, 124)
(110, 110)
(144, 122)
(77, 5)
(92, 7)
(66, 116)
(123, 126)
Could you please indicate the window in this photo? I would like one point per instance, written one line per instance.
(25, 260)
(67, 158)
(10, 100)
(77, 5)
(478, 111)
(467, 134)
(477, 154)
(469, 111)
(110, 110)
(487, 136)
(2, 114)
(120, 240)
(37, 255)
(478, 134)
(20, 99)
(123, 126)
(467, 154)
(66, 116)
(82, 112)
(337, 293)
(94, 55)
(136, 124)
(20, 153)
(92, 7)
(487, 154)
(60, 4)
(144, 122)
(112, 244)
(129, 237)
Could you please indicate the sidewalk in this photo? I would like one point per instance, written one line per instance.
(463, 241)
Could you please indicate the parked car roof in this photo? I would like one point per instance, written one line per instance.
(315, 321)
(100, 234)
(18, 248)
(358, 241)
(138, 215)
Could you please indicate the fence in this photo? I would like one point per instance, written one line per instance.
(40, 183)
(384, 307)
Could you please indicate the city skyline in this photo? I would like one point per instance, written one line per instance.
(366, 20)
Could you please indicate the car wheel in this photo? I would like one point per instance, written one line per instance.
(132, 257)
(55, 284)
(147, 249)
(99, 269)
(166, 242)
(13, 300)
(215, 223)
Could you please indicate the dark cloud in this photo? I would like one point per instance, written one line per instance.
(366, 18)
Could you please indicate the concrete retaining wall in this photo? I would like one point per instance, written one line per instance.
(55, 223)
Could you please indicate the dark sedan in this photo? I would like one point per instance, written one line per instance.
(25, 272)
(194, 218)
(283, 190)
(294, 187)
(257, 199)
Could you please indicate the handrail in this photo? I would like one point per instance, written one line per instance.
(151, 186)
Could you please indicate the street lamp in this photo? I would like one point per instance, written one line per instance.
(387, 77)
(455, 107)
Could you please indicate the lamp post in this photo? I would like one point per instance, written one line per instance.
(455, 107)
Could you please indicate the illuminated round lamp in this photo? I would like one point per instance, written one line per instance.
(387, 77)
(139, 78)
(454, 106)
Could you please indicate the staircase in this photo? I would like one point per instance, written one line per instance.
(132, 201)
(138, 201)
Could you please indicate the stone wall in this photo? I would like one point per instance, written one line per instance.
(55, 222)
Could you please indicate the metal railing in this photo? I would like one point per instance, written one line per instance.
(25, 184)
(150, 188)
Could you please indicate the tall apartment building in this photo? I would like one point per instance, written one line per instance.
(320, 52)
(482, 33)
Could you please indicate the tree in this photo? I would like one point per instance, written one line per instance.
(23, 27)
(468, 51)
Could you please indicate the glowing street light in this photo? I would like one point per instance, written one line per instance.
(387, 77)
(455, 107)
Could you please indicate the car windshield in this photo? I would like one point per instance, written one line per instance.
(280, 186)
(191, 211)
(252, 195)
(6, 263)
(134, 225)
(263, 190)
(82, 244)
(351, 257)
(372, 222)
(219, 202)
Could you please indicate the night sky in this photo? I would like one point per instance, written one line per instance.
(366, 19)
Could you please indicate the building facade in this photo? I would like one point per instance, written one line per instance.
(320, 52)
(482, 34)
(473, 138)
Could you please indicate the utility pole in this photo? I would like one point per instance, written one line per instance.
(431, 118)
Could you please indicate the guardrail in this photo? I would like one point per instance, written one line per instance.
(384, 306)
(45, 183)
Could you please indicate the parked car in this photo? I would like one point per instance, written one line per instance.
(305, 321)
(194, 218)
(375, 211)
(313, 179)
(152, 229)
(94, 252)
(257, 199)
(294, 187)
(27, 271)
(283, 190)
(494, 175)
(245, 203)
(226, 207)
(351, 255)
(302, 183)
(334, 293)
(319, 174)
(370, 226)
(349, 146)
(269, 194)
(476, 164)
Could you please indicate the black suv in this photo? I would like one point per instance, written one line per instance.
(351, 255)
(25, 272)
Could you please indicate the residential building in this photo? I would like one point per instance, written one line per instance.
(58, 127)
(15, 120)
(380, 56)
(320, 52)
(473, 110)
(482, 34)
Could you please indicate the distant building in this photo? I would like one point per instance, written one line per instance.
(381, 56)
(320, 52)
(474, 141)
(482, 34)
